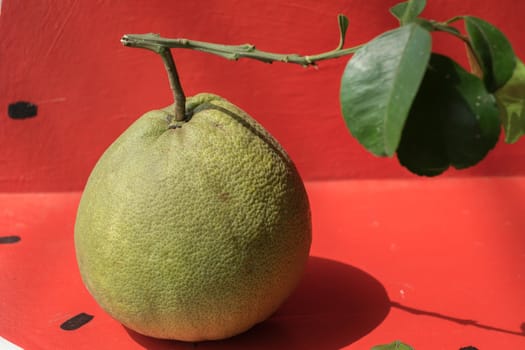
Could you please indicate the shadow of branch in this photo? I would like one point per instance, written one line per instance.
(461, 321)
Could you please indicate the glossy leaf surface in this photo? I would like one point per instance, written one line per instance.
(453, 121)
(379, 84)
(493, 52)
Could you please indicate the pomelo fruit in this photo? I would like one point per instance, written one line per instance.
(195, 230)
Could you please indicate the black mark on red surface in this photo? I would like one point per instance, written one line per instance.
(9, 239)
(76, 322)
(469, 348)
(22, 110)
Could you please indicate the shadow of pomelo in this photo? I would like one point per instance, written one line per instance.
(334, 305)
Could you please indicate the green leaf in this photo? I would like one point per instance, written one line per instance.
(397, 345)
(398, 10)
(511, 98)
(493, 52)
(406, 12)
(454, 121)
(379, 84)
(343, 22)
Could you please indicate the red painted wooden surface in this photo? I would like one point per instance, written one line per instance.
(65, 56)
(438, 264)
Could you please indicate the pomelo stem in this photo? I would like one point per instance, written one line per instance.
(173, 76)
(175, 85)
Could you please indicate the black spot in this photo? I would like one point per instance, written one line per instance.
(9, 239)
(469, 348)
(22, 110)
(76, 322)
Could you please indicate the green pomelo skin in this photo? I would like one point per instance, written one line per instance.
(196, 232)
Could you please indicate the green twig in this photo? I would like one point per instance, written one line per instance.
(162, 46)
(454, 19)
(155, 43)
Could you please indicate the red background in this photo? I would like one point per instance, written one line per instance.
(65, 56)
